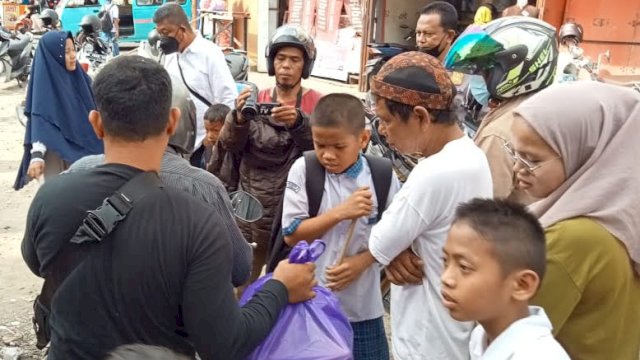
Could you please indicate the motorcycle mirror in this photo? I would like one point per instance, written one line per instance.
(246, 207)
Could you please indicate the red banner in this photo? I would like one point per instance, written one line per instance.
(301, 13)
(354, 11)
(327, 19)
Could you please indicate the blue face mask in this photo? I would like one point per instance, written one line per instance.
(479, 89)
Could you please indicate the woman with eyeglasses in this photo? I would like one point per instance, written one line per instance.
(575, 147)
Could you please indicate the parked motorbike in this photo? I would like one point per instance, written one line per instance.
(90, 47)
(25, 22)
(15, 56)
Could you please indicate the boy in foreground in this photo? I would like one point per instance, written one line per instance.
(494, 263)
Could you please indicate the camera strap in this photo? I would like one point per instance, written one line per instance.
(274, 97)
(193, 92)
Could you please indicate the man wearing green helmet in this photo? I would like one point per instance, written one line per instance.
(517, 57)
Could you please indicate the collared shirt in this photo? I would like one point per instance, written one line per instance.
(419, 218)
(177, 173)
(362, 299)
(205, 70)
(526, 339)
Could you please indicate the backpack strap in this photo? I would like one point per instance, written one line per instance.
(381, 174)
(314, 182)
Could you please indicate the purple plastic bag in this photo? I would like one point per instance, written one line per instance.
(316, 329)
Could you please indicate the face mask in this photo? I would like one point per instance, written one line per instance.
(168, 45)
(434, 51)
(479, 90)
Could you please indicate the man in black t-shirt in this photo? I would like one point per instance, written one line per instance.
(169, 259)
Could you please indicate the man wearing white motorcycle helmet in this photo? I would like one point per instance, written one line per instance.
(198, 62)
(268, 144)
(516, 57)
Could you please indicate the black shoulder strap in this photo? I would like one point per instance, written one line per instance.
(193, 92)
(274, 97)
(314, 182)
(100, 222)
(381, 174)
(95, 226)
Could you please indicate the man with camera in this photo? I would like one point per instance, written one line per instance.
(269, 130)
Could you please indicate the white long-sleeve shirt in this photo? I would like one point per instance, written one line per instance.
(420, 217)
(205, 71)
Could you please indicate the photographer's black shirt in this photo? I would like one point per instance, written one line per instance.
(169, 253)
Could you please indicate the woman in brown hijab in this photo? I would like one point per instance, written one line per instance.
(576, 147)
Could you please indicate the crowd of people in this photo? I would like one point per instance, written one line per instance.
(519, 243)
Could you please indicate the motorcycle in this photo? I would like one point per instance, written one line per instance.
(15, 56)
(93, 50)
(380, 53)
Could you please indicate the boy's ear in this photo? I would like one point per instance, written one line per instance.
(364, 138)
(525, 285)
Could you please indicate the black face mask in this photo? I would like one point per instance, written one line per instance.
(434, 51)
(168, 45)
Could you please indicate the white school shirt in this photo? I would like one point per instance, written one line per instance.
(205, 71)
(526, 339)
(420, 217)
(362, 299)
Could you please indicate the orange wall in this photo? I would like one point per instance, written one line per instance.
(606, 27)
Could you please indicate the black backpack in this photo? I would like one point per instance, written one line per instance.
(106, 23)
(381, 172)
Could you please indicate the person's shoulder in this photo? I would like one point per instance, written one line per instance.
(454, 162)
(579, 232)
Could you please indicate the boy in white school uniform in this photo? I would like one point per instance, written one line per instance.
(349, 194)
(494, 263)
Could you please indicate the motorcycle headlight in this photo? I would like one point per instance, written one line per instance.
(87, 48)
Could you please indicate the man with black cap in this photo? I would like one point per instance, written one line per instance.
(413, 99)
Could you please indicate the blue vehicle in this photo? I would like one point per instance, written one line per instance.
(136, 16)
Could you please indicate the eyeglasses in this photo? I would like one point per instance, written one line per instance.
(530, 166)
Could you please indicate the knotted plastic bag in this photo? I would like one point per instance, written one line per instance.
(316, 329)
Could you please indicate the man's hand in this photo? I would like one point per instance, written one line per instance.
(36, 169)
(286, 115)
(359, 204)
(340, 276)
(240, 101)
(406, 268)
(299, 280)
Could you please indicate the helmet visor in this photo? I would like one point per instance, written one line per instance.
(473, 52)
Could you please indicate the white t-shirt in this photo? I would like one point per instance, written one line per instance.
(420, 217)
(362, 299)
(205, 71)
(526, 339)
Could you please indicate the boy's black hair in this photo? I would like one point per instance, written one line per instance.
(172, 13)
(143, 352)
(216, 113)
(516, 235)
(448, 14)
(133, 96)
(339, 110)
